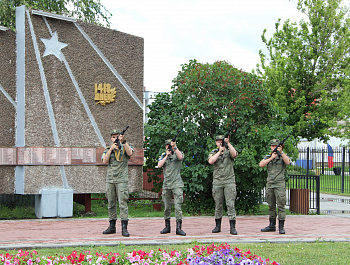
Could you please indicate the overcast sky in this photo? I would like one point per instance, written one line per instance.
(176, 31)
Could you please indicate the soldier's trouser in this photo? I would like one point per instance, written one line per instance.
(229, 193)
(276, 196)
(178, 201)
(118, 192)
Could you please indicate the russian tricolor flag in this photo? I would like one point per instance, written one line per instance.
(330, 156)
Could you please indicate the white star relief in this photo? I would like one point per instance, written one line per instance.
(53, 46)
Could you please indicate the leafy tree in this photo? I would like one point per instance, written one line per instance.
(205, 101)
(90, 11)
(307, 69)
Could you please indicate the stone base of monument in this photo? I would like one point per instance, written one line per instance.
(54, 203)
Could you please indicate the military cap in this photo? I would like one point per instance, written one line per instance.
(275, 142)
(116, 131)
(168, 141)
(219, 137)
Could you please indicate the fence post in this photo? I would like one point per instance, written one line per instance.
(343, 173)
(307, 166)
(322, 161)
(318, 194)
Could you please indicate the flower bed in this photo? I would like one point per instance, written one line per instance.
(223, 254)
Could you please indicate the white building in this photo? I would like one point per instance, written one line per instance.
(333, 141)
(148, 98)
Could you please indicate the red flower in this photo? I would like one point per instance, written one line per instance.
(247, 253)
(81, 257)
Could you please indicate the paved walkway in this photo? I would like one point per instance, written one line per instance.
(56, 232)
(87, 232)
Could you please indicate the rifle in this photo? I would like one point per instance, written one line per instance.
(280, 144)
(170, 148)
(223, 143)
(117, 140)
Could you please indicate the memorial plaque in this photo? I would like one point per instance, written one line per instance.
(64, 156)
(38, 156)
(44, 156)
(31, 155)
(99, 152)
(8, 156)
(51, 155)
(83, 156)
(89, 156)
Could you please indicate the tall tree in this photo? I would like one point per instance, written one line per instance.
(205, 101)
(90, 11)
(307, 68)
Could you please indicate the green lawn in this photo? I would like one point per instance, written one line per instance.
(333, 184)
(329, 183)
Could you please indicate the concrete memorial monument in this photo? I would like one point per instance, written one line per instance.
(64, 85)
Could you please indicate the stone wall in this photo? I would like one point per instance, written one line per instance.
(7, 109)
(66, 63)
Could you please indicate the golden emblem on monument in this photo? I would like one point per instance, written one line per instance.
(104, 93)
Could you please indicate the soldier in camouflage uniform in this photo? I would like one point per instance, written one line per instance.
(172, 185)
(276, 186)
(224, 182)
(117, 181)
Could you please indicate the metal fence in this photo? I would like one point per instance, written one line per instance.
(13, 200)
(331, 164)
(308, 196)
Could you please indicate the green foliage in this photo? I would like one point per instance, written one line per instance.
(205, 101)
(90, 11)
(307, 69)
(18, 212)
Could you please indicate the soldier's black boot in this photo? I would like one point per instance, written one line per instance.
(125, 228)
(217, 227)
(178, 228)
(271, 227)
(233, 227)
(281, 226)
(167, 228)
(111, 229)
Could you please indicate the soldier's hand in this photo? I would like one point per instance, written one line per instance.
(173, 144)
(273, 155)
(122, 138)
(114, 146)
(279, 149)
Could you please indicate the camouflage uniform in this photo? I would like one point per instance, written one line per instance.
(224, 183)
(117, 182)
(276, 191)
(276, 188)
(172, 185)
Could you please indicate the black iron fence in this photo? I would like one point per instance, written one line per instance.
(331, 164)
(304, 193)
